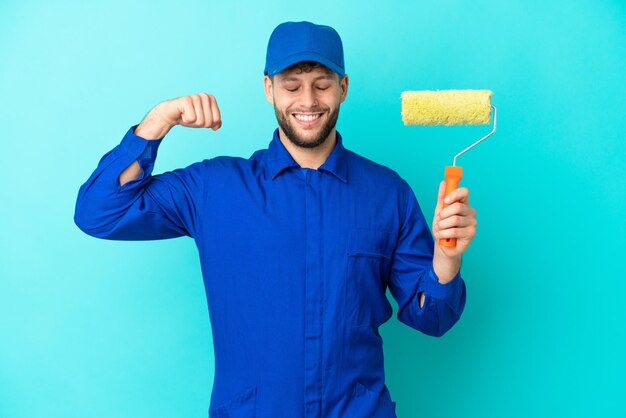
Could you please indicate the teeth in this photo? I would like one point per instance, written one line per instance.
(306, 118)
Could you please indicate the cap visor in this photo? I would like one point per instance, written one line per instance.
(305, 56)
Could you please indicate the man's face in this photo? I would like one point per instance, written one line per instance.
(306, 103)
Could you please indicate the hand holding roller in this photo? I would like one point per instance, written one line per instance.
(449, 107)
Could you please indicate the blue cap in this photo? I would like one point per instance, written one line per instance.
(293, 42)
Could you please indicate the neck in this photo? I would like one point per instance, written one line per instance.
(309, 157)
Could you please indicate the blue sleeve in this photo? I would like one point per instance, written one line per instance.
(412, 272)
(147, 208)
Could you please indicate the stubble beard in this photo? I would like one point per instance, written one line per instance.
(285, 124)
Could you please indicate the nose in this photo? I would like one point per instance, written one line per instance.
(309, 98)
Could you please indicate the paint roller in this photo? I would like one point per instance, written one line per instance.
(449, 107)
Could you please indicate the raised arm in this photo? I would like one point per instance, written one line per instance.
(122, 200)
(196, 111)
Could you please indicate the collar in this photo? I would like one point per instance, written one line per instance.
(278, 158)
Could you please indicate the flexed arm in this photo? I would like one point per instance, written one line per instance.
(122, 200)
(197, 111)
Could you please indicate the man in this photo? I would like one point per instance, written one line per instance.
(298, 243)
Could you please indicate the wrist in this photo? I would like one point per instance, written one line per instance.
(446, 268)
(153, 127)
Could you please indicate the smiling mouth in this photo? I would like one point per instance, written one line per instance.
(307, 117)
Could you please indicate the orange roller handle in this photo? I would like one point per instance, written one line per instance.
(452, 176)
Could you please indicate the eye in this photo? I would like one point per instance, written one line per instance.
(322, 88)
(292, 89)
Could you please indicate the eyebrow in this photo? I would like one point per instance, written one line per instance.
(322, 77)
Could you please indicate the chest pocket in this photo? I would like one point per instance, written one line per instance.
(368, 266)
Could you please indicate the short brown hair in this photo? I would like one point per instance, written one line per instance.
(305, 66)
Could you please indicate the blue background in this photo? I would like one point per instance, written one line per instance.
(94, 328)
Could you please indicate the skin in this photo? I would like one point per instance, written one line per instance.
(458, 220)
(317, 91)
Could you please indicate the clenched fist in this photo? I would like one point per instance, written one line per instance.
(455, 221)
(195, 111)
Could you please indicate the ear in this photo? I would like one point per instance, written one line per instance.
(269, 89)
(344, 87)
